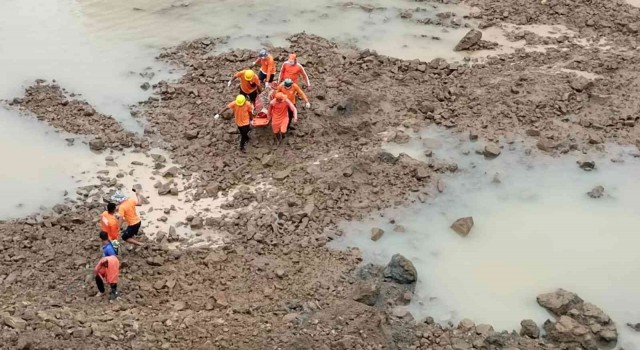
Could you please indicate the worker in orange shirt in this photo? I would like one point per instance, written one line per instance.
(242, 111)
(267, 67)
(109, 222)
(292, 91)
(291, 69)
(107, 270)
(279, 113)
(128, 213)
(249, 84)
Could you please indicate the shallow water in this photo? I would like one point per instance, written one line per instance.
(535, 231)
(35, 173)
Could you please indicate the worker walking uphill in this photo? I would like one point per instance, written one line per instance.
(291, 69)
(242, 111)
(279, 113)
(267, 67)
(292, 91)
(107, 271)
(249, 84)
(128, 213)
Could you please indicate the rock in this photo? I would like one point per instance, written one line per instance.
(441, 186)
(460, 344)
(15, 322)
(145, 86)
(463, 225)
(529, 329)
(81, 332)
(596, 192)
(281, 175)
(532, 132)
(595, 139)
(290, 317)
(546, 145)
(197, 223)
(164, 189)
(580, 83)
(568, 330)
(191, 134)
(281, 273)
(473, 136)
(387, 157)
(586, 164)
(471, 38)
(96, 145)
(401, 138)
(491, 151)
(155, 261)
(268, 160)
(484, 329)
(171, 172)
(422, 173)
(559, 302)
(366, 293)
(401, 270)
(466, 325)
(376, 233)
(635, 327)
(347, 171)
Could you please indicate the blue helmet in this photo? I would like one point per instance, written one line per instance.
(288, 83)
(263, 53)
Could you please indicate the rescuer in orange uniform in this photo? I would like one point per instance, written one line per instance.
(292, 91)
(267, 67)
(249, 84)
(291, 69)
(279, 113)
(242, 111)
(107, 270)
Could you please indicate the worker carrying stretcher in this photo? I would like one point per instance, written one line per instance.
(249, 84)
(279, 110)
(292, 91)
(267, 67)
(291, 69)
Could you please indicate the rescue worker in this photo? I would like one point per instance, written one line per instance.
(291, 69)
(249, 84)
(242, 111)
(107, 270)
(279, 113)
(292, 91)
(107, 247)
(267, 67)
(128, 213)
(109, 222)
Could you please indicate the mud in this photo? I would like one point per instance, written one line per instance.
(274, 283)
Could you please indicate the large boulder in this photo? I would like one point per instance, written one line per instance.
(401, 270)
(579, 322)
(470, 39)
(529, 329)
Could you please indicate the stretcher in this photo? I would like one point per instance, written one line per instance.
(261, 106)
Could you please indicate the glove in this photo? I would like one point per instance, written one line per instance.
(216, 116)
(308, 105)
(295, 120)
(229, 83)
(308, 88)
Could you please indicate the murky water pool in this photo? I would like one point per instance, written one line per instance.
(535, 230)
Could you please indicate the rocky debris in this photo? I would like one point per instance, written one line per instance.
(366, 293)
(401, 270)
(471, 38)
(463, 226)
(14, 322)
(491, 151)
(580, 83)
(96, 145)
(635, 327)
(529, 329)
(376, 233)
(171, 172)
(596, 192)
(546, 145)
(578, 322)
(586, 164)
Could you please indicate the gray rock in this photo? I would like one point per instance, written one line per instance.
(529, 329)
(596, 192)
(546, 145)
(281, 175)
(471, 38)
(580, 83)
(559, 302)
(15, 322)
(96, 145)
(376, 233)
(401, 270)
(586, 164)
(387, 157)
(196, 223)
(463, 226)
(491, 151)
(366, 293)
(171, 172)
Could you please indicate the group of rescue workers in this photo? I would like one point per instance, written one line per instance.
(281, 112)
(108, 268)
(282, 95)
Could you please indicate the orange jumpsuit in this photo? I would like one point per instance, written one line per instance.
(279, 112)
(241, 113)
(109, 273)
(247, 86)
(291, 70)
(267, 66)
(292, 92)
(109, 224)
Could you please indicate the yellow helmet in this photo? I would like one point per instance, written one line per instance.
(249, 74)
(240, 100)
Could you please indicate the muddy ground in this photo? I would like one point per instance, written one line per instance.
(274, 284)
